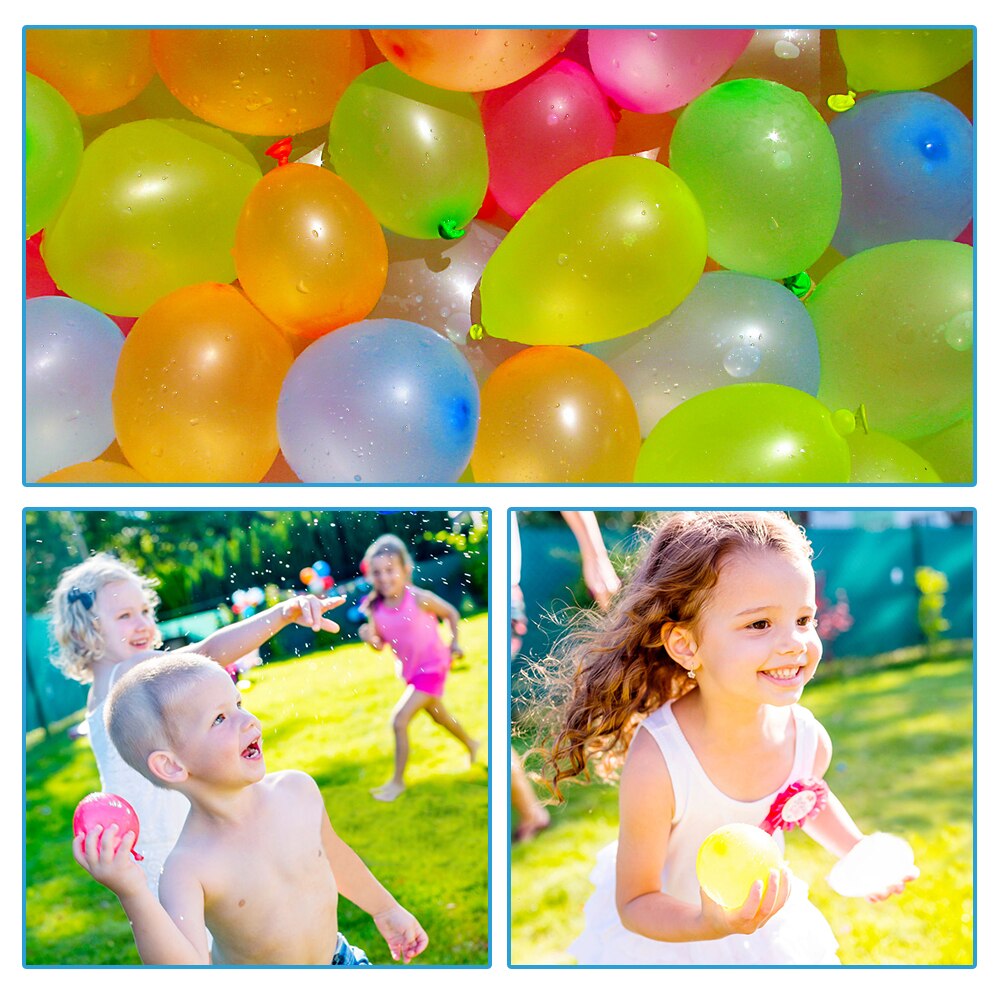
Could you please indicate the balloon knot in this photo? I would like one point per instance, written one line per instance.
(616, 111)
(861, 415)
(841, 102)
(476, 332)
(280, 150)
(800, 285)
(449, 229)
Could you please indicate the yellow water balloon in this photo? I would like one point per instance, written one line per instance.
(608, 249)
(732, 858)
(154, 208)
(902, 59)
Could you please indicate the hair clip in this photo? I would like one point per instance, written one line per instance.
(85, 597)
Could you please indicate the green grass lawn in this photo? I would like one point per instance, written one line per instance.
(326, 714)
(902, 763)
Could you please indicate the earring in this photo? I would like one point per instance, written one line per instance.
(691, 673)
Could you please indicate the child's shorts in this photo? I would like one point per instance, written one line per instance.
(347, 954)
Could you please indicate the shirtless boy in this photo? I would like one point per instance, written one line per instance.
(258, 863)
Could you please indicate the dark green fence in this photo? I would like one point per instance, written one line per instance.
(49, 696)
(874, 569)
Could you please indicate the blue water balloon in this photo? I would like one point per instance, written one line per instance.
(732, 328)
(906, 162)
(70, 354)
(384, 401)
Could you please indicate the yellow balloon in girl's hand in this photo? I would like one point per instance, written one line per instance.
(732, 858)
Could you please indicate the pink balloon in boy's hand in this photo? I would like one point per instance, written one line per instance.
(103, 809)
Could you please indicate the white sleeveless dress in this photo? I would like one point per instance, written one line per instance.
(161, 811)
(797, 935)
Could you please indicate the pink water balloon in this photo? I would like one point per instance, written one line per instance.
(540, 128)
(653, 70)
(103, 809)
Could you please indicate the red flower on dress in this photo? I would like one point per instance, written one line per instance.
(796, 804)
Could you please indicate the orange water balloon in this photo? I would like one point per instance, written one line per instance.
(309, 252)
(95, 69)
(259, 81)
(97, 471)
(196, 390)
(470, 59)
(555, 414)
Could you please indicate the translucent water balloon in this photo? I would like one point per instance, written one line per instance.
(748, 433)
(309, 253)
(895, 329)
(791, 56)
(732, 858)
(71, 352)
(732, 328)
(105, 809)
(878, 458)
(951, 451)
(555, 414)
(906, 160)
(98, 471)
(154, 208)
(651, 70)
(379, 401)
(470, 59)
(259, 81)
(434, 282)
(53, 149)
(95, 69)
(540, 128)
(607, 250)
(764, 168)
(415, 153)
(902, 59)
(196, 391)
(872, 865)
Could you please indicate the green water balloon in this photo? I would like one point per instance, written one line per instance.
(763, 165)
(608, 249)
(415, 153)
(154, 209)
(895, 331)
(53, 149)
(950, 451)
(879, 458)
(748, 433)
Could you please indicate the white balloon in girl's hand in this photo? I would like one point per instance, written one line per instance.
(874, 863)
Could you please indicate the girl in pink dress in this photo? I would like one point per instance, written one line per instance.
(406, 618)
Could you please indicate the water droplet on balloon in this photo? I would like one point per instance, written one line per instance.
(958, 332)
(742, 360)
(784, 49)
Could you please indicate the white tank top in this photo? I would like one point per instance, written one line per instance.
(700, 808)
(161, 811)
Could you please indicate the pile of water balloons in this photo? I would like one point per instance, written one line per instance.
(499, 255)
(317, 578)
(245, 602)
